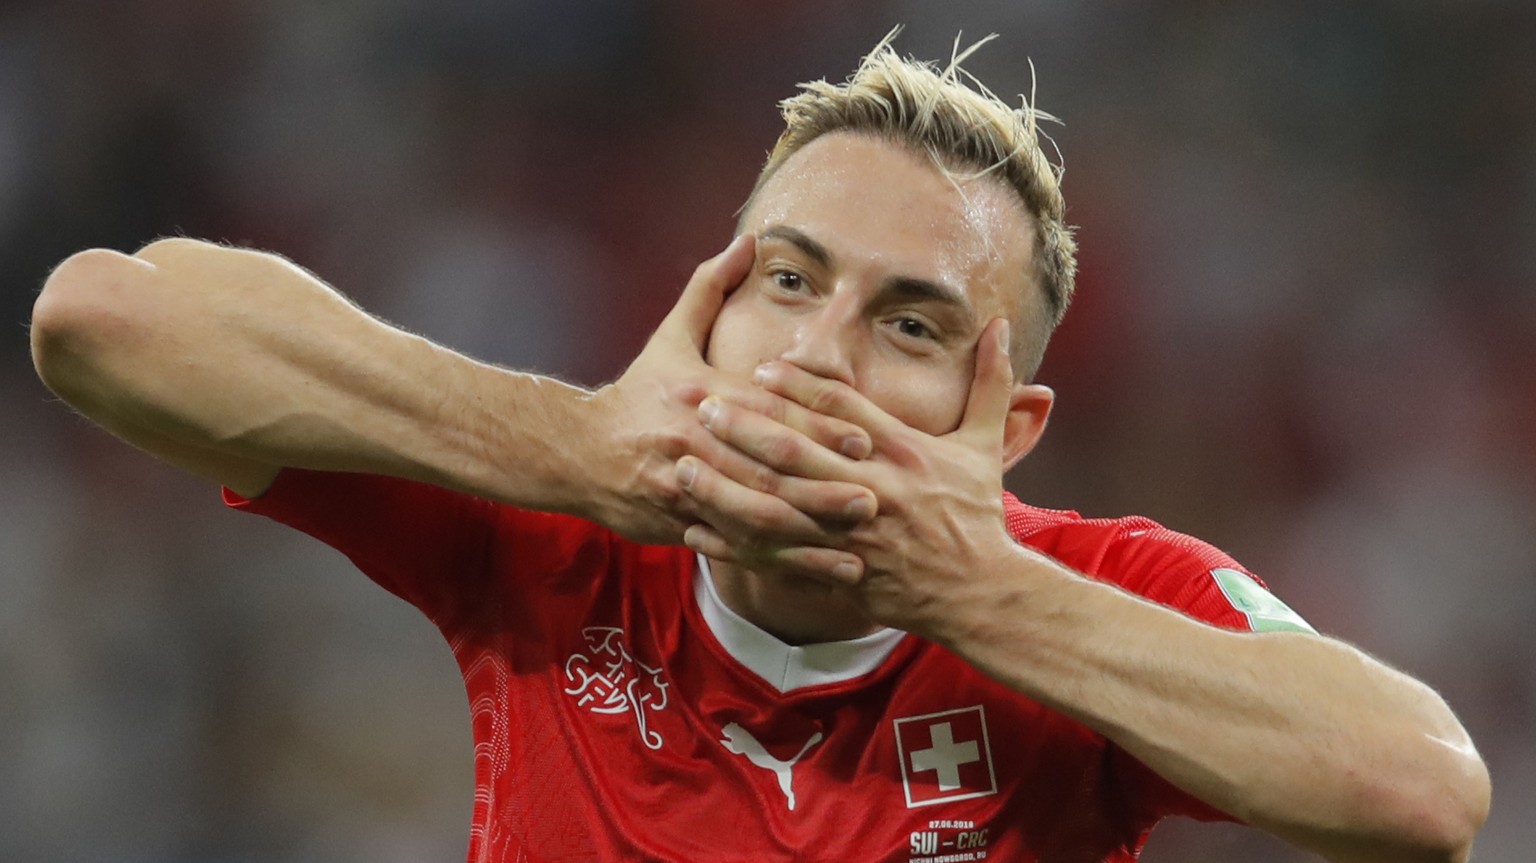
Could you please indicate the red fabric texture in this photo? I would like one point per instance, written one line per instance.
(600, 699)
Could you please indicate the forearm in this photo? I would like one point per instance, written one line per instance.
(1294, 733)
(243, 354)
(1300, 735)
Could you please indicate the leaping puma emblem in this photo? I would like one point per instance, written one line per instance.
(741, 742)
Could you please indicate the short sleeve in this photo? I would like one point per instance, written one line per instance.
(428, 545)
(1171, 569)
(1196, 578)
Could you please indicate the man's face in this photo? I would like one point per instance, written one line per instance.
(875, 269)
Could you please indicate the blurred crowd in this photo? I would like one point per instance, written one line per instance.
(1304, 332)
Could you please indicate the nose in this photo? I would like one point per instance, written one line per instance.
(825, 341)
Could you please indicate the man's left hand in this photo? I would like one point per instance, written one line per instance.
(939, 525)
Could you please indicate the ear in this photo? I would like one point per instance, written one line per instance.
(1029, 406)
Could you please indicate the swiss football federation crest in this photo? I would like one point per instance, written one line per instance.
(607, 678)
(945, 756)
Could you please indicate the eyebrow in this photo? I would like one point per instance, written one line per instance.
(901, 288)
(801, 240)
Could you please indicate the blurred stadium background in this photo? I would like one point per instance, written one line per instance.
(1304, 332)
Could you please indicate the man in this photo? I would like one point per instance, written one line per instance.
(870, 652)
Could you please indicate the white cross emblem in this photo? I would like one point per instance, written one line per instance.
(945, 756)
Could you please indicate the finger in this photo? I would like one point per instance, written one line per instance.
(827, 397)
(835, 434)
(986, 408)
(694, 315)
(774, 444)
(823, 564)
(744, 513)
(834, 503)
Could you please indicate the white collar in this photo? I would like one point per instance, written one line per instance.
(787, 667)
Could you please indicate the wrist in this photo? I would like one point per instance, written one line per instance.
(989, 597)
(597, 468)
(979, 591)
(530, 441)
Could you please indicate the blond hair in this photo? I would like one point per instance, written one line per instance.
(959, 123)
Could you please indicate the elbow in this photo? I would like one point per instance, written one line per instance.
(86, 307)
(1435, 815)
(1452, 788)
(77, 312)
(1458, 810)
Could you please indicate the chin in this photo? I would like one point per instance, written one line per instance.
(829, 599)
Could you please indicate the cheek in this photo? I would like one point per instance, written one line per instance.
(739, 340)
(931, 400)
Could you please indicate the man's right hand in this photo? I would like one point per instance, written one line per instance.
(650, 418)
(234, 363)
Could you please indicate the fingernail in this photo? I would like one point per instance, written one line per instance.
(760, 376)
(854, 447)
(708, 410)
(1002, 337)
(846, 571)
(686, 471)
(860, 508)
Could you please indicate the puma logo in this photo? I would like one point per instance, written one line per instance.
(741, 742)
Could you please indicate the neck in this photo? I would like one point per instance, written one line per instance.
(792, 609)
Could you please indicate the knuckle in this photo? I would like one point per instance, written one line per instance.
(666, 486)
(782, 451)
(672, 442)
(776, 408)
(902, 448)
(825, 399)
(687, 391)
(764, 479)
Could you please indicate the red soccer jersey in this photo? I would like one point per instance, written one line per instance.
(621, 712)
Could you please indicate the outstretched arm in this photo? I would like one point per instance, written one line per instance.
(1297, 734)
(234, 363)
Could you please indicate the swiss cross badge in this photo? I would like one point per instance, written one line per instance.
(945, 756)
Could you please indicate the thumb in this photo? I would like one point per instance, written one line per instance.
(986, 410)
(693, 317)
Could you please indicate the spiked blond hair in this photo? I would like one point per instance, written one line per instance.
(967, 132)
